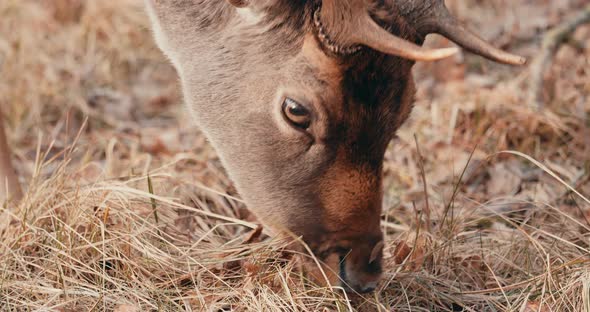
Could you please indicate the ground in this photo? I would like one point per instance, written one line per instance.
(127, 207)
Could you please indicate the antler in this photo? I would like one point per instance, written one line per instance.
(350, 24)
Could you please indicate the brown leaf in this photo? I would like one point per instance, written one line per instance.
(419, 253)
(471, 269)
(251, 268)
(253, 236)
(535, 306)
(402, 251)
(233, 265)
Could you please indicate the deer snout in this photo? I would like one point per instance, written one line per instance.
(361, 269)
(367, 288)
(359, 280)
(361, 287)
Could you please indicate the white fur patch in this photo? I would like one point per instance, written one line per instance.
(248, 15)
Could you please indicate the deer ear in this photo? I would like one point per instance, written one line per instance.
(376, 251)
(239, 3)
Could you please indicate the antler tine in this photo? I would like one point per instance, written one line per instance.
(432, 16)
(369, 33)
(473, 43)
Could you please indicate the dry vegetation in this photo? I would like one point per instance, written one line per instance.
(128, 209)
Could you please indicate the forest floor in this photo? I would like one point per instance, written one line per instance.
(127, 207)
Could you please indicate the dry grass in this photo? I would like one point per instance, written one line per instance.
(129, 209)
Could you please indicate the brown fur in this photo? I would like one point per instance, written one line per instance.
(238, 64)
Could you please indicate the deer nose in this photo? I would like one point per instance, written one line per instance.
(367, 289)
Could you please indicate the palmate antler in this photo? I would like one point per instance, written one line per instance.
(345, 24)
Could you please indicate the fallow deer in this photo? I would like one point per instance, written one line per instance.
(300, 99)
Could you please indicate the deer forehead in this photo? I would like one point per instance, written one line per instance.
(329, 69)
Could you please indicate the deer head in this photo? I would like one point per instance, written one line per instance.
(300, 100)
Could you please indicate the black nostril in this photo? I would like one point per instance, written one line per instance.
(367, 290)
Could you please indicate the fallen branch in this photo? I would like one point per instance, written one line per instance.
(9, 185)
(551, 42)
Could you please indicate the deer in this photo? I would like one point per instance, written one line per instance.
(300, 99)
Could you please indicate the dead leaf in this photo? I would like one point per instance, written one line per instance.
(419, 253)
(471, 269)
(253, 236)
(535, 306)
(251, 268)
(402, 251)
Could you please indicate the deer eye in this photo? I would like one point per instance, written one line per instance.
(297, 114)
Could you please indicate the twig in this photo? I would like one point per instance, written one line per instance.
(424, 183)
(9, 185)
(153, 201)
(460, 182)
(551, 42)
